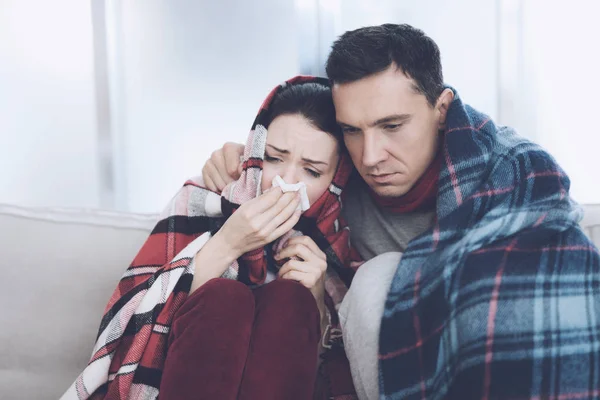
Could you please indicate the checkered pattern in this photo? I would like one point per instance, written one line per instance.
(130, 350)
(501, 298)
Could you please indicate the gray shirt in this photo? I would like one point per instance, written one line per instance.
(375, 231)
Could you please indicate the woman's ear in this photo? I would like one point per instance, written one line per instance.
(442, 105)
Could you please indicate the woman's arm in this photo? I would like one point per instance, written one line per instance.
(214, 258)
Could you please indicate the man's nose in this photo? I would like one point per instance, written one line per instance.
(373, 149)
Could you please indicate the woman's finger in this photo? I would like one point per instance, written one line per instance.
(296, 250)
(282, 210)
(308, 242)
(284, 227)
(301, 266)
(266, 201)
(292, 265)
(277, 215)
(307, 280)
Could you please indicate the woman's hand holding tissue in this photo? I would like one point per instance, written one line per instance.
(260, 221)
(256, 223)
(307, 264)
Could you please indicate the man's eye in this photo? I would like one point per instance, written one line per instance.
(392, 127)
(313, 173)
(349, 130)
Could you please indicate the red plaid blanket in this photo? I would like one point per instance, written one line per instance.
(131, 346)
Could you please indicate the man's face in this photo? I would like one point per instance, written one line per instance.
(390, 129)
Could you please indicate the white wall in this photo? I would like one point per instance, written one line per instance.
(47, 117)
(192, 75)
(561, 63)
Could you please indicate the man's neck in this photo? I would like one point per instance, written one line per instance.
(421, 197)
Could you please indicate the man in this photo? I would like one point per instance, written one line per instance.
(497, 294)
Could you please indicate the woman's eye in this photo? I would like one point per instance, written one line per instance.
(315, 174)
(270, 159)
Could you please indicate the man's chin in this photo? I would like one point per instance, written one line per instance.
(389, 191)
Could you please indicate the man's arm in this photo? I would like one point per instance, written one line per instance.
(223, 166)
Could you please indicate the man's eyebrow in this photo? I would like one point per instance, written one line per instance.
(344, 125)
(384, 120)
(391, 118)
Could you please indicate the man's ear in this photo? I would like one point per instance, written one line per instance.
(442, 105)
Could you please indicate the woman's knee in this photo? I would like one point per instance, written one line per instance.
(217, 298)
(225, 288)
(209, 341)
(287, 293)
(287, 301)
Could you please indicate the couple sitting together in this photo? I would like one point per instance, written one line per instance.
(376, 237)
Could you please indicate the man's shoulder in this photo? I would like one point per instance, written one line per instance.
(519, 152)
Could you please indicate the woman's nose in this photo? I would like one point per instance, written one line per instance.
(290, 175)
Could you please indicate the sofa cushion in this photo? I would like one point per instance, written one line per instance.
(59, 268)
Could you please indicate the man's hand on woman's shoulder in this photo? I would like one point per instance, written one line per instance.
(223, 166)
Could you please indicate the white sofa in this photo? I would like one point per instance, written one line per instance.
(58, 269)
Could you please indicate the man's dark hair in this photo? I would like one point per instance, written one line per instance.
(367, 51)
(311, 100)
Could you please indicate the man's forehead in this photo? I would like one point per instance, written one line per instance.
(380, 87)
(364, 104)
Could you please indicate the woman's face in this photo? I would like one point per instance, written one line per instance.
(297, 151)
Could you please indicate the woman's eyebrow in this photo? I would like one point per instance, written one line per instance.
(278, 149)
(308, 160)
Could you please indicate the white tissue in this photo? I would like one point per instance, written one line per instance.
(294, 187)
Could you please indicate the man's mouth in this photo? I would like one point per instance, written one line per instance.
(382, 178)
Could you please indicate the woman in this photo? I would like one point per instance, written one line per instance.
(174, 326)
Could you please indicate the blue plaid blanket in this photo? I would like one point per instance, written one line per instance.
(501, 298)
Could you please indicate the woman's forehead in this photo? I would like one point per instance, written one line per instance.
(295, 134)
